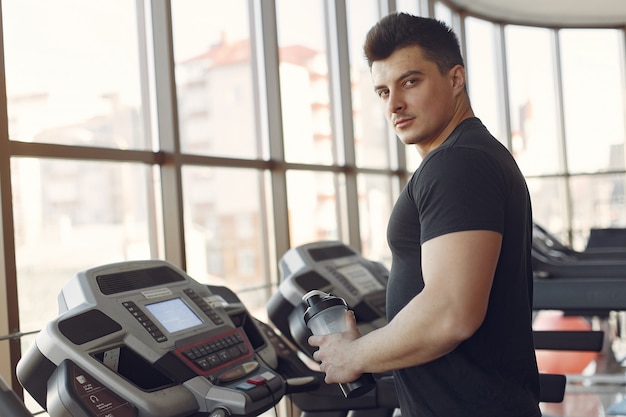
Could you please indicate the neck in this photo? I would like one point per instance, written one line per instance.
(464, 113)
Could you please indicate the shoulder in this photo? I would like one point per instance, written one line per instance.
(459, 163)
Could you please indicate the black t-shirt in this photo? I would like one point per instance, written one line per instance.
(471, 182)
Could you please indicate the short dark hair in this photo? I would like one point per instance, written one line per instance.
(398, 30)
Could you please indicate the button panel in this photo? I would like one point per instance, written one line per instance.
(145, 321)
(260, 386)
(216, 353)
(343, 280)
(204, 306)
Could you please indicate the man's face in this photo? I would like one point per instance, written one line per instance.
(418, 101)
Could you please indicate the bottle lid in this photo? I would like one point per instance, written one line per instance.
(318, 301)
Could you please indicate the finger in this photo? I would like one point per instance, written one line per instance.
(314, 340)
(351, 317)
(352, 314)
(328, 379)
(352, 325)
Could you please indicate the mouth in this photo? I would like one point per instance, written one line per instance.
(402, 122)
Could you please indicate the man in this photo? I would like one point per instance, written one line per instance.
(459, 337)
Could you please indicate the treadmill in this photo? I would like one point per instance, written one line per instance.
(553, 259)
(333, 267)
(591, 283)
(143, 339)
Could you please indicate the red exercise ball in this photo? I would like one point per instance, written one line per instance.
(562, 361)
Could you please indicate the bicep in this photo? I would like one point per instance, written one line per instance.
(458, 268)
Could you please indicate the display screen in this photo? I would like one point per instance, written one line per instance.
(174, 315)
(361, 278)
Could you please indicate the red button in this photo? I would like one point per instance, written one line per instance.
(257, 380)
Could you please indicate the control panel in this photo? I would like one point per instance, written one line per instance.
(332, 267)
(143, 338)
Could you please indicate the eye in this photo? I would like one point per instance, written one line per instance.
(383, 94)
(410, 82)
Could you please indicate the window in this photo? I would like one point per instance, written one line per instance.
(483, 74)
(598, 203)
(533, 100)
(371, 133)
(375, 203)
(70, 79)
(593, 98)
(443, 13)
(304, 83)
(214, 83)
(313, 206)
(223, 226)
(70, 216)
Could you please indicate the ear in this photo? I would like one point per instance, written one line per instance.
(457, 77)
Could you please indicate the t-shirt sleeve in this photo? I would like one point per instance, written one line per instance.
(459, 189)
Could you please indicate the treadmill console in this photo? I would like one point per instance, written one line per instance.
(332, 267)
(143, 338)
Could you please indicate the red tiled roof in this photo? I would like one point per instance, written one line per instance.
(228, 53)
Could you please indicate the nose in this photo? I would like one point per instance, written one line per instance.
(395, 103)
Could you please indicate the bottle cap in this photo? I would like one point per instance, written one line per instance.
(319, 301)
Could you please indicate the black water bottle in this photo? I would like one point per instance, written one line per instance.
(326, 314)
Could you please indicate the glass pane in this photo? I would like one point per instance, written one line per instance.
(413, 159)
(532, 100)
(443, 13)
(375, 202)
(312, 204)
(549, 201)
(223, 228)
(593, 94)
(482, 74)
(597, 202)
(371, 133)
(214, 78)
(70, 216)
(304, 80)
(408, 6)
(71, 79)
